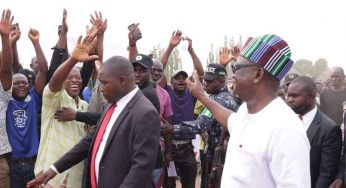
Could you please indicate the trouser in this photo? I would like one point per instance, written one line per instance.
(4, 172)
(185, 163)
(21, 171)
(205, 168)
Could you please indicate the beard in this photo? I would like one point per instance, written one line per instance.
(301, 110)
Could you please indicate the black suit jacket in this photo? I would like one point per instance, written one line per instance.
(325, 139)
(130, 152)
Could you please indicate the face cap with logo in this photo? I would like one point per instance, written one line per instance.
(213, 71)
(144, 60)
(290, 77)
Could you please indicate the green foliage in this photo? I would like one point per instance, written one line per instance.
(306, 67)
(174, 61)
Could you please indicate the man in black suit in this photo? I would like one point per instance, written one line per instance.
(126, 154)
(323, 133)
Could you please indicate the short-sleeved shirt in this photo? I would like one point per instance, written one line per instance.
(58, 137)
(183, 106)
(165, 102)
(5, 97)
(22, 125)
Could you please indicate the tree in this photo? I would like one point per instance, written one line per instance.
(320, 66)
(211, 56)
(305, 67)
(174, 61)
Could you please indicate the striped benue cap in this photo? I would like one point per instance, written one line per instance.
(270, 52)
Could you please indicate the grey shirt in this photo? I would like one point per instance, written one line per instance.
(4, 100)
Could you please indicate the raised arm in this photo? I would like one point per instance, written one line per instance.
(175, 40)
(88, 68)
(6, 56)
(79, 54)
(62, 31)
(41, 78)
(133, 41)
(196, 62)
(60, 50)
(14, 37)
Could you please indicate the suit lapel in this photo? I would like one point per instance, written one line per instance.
(315, 125)
(97, 126)
(119, 120)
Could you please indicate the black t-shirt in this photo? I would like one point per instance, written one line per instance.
(150, 93)
(331, 104)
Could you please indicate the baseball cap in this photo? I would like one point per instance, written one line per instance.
(179, 72)
(290, 77)
(30, 75)
(214, 70)
(143, 60)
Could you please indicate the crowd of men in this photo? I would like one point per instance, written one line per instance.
(121, 123)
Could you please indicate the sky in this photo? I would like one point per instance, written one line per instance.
(313, 28)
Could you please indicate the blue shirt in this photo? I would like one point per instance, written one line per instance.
(22, 125)
(182, 106)
(87, 94)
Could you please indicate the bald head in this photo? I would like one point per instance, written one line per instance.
(116, 78)
(339, 70)
(157, 71)
(337, 77)
(118, 65)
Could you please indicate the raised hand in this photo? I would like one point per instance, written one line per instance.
(195, 86)
(132, 33)
(15, 35)
(42, 179)
(63, 28)
(225, 56)
(189, 48)
(235, 51)
(176, 38)
(34, 35)
(83, 48)
(6, 22)
(96, 19)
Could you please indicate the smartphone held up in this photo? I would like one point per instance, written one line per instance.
(136, 32)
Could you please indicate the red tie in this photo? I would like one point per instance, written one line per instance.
(300, 117)
(97, 142)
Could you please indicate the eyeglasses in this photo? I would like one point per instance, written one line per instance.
(240, 66)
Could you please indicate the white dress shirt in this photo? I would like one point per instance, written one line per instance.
(118, 109)
(308, 117)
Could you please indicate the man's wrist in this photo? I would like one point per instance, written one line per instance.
(54, 169)
(131, 45)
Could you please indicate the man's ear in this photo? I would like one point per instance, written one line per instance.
(122, 80)
(259, 74)
(31, 65)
